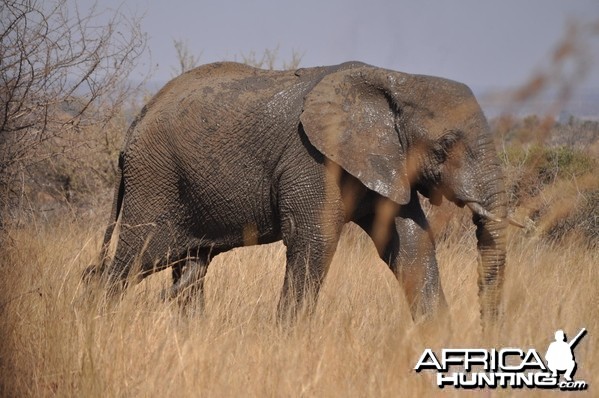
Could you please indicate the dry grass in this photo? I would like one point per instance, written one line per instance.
(360, 342)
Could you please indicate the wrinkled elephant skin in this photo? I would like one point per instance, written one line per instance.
(227, 155)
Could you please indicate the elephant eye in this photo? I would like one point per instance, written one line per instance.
(443, 146)
(439, 153)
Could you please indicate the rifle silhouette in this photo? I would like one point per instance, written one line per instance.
(575, 340)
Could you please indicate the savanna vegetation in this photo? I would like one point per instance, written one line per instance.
(59, 143)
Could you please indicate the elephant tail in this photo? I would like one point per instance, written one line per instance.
(119, 192)
(112, 231)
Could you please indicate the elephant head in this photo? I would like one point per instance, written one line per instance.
(398, 132)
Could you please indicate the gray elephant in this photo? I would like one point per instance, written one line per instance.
(227, 155)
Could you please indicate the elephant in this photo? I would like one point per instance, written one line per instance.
(227, 155)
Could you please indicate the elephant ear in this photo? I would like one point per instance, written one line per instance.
(350, 116)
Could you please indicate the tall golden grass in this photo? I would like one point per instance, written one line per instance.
(59, 338)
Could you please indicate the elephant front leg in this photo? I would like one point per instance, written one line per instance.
(411, 256)
(406, 244)
(304, 275)
(309, 255)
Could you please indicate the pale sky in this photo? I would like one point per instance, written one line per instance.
(490, 44)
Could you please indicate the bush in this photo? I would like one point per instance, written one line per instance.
(530, 169)
(578, 219)
(549, 163)
(61, 72)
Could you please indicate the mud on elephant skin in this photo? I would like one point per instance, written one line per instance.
(227, 155)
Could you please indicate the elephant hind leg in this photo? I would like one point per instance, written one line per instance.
(141, 249)
(188, 279)
(176, 272)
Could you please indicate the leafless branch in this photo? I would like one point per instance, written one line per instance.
(59, 69)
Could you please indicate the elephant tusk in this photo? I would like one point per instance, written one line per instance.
(515, 223)
(479, 210)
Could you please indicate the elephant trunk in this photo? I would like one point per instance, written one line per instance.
(491, 234)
